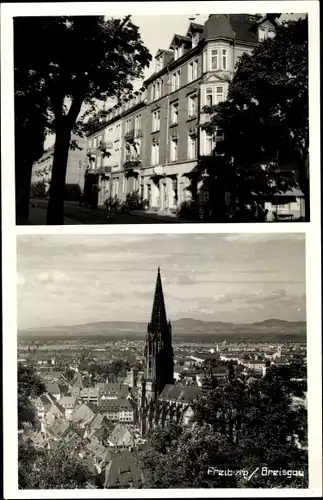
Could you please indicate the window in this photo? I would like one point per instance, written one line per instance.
(155, 153)
(204, 61)
(192, 147)
(176, 80)
(214, 59)
(178, 51)
(156, 120)
(192, 105)
(192, 70)
(153, 91)
(174, 112)
(159, 63)
(262, 34)
(128, 125)
(138, 123)
(271, 33)
(224, 58)
(219, 95)
(158, 90)
(209, 97)
(209, 144)
(195, 39)
(174, 149)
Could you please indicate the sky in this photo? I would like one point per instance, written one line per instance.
(75, 279)
(157, 33)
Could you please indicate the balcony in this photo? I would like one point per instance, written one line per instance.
(138, 132)
(193, 132)
(131, 163)
(104, 145)
(129, 136)
(104, 170)
(91, 154)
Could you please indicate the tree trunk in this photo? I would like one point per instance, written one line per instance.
(55, 212)
(305, 186)
(23, 181)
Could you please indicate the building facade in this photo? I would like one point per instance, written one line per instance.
(163, 166)
(75, 171)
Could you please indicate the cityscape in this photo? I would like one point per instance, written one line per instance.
(208, 353)
(188, 133)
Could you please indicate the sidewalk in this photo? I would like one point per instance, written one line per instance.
(160, 217)
(38, 215)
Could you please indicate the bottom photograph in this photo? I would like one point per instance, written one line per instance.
(162, 361)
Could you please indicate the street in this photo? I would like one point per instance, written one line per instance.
(76, 214)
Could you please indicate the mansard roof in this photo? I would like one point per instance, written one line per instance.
(233, 26)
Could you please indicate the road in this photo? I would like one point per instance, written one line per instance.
(76, 214)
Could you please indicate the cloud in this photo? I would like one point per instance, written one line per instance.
(53, 276)
(262, 237)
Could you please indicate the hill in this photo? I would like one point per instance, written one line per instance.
(184, 328)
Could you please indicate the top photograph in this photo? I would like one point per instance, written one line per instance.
(161, 119)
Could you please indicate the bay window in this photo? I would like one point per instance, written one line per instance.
(214, 59)
(224, 58)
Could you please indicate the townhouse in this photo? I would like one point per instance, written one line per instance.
(161, 145)
(75, 171)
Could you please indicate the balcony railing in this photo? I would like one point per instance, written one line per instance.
(105, 145)
(129, 135)
(131, 164)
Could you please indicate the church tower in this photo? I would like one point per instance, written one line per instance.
(159, 358)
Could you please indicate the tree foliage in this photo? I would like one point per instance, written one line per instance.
(87, 59)
(265, 118)
(29, 387)
(238, 426)
(57, 468)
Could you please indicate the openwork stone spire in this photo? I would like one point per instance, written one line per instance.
(158, 315)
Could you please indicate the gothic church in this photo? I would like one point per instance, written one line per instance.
(159, 399)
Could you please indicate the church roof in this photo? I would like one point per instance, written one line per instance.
(158, 315)
(180, 393)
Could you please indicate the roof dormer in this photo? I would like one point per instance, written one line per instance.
(195, 32)
(180, 44)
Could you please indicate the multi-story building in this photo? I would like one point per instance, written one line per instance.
(76, 167)
(114, 149)
(164, 165)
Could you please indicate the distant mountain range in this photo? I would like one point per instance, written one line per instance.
(181, 328)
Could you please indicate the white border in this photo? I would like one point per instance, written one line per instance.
(312, 231)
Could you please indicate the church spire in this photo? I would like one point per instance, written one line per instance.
(158, 314)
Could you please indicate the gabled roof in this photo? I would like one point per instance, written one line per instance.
(163, 51)
(178, 38)
(53, 388)
(83, 413)
(123, 472)
(44, 400)
(180, 393)
(120, 436)
(193, 27)
(68, 400)
(114, 405)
